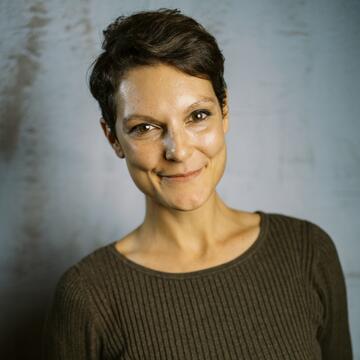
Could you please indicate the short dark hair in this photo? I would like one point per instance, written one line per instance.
(152, 37)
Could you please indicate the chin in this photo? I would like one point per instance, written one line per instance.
(184, 207)
(187, 202)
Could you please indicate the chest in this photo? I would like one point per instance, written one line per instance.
(247, 314)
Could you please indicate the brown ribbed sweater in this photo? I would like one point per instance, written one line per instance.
(284, 298)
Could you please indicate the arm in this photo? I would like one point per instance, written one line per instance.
(70, 330)
(334, 334)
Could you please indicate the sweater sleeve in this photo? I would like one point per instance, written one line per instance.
(334, 334)
(70, 330)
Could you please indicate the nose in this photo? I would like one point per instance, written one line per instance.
(177, 147)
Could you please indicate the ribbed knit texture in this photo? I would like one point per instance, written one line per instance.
(284, 298)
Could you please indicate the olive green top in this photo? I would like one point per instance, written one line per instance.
(283, 298)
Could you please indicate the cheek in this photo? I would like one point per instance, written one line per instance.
(142, 156)
(212, 142)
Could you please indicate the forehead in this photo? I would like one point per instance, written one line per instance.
(160, 86)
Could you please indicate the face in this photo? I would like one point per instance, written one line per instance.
(168, 123)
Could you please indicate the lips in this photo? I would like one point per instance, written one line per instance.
(182, 177)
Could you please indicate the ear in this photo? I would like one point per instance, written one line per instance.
(112, 139)
(225, 112)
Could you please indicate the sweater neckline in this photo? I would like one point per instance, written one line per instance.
(201, 272)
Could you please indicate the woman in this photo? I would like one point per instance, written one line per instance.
(197, 279)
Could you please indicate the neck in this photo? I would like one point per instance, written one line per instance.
(193, 232)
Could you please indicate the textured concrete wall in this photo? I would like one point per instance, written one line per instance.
(292, 68)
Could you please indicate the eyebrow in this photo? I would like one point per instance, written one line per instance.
(126, 119)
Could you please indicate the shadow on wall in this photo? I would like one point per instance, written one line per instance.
(23, 298)
(28, 300)
(23, 338)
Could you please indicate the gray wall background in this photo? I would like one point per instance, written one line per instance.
(292, 69)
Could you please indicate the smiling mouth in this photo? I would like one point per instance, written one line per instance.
(184, 177)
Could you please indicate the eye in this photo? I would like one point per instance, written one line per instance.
(141, 129)
(200, 115)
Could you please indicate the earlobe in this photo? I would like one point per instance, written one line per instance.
(111, 138)
(107, 131)
(225, 123)
(225, 115)
(118, 150)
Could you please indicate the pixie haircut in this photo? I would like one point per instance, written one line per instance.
(153, 37)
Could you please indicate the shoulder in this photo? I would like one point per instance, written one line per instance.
(326, 255)
(313, 241)
(90, 272)
(301, 226)
(96, 262)
(93, 268)
(309, 248)
(308, 238)
(322, 241)
(288, 230)
(74, 324)
(285, 221)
